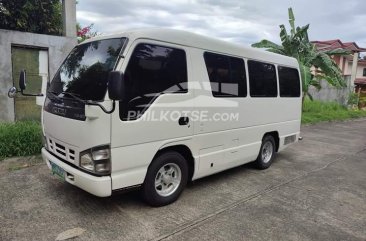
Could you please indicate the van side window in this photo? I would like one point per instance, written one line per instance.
(152, 70)
(262, 79)
(289, 82)
(226, 74)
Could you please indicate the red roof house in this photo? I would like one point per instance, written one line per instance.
(346, 63)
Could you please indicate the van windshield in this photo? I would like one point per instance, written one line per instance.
(84, 72)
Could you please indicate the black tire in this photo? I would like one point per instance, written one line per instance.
(149, 192)
(263, 162)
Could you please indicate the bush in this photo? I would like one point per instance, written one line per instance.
(353, 99)
(20, 139)
(317, 111)
(362, 103)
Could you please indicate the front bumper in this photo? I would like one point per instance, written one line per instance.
(99, 186)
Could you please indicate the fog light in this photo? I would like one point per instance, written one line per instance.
(102, 168)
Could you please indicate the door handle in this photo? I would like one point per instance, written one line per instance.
(183, 121)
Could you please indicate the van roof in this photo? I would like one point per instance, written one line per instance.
(189, 39)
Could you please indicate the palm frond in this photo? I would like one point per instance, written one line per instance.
(316, 83)
(301, 32)
(277, 51)
(305, 76)
(267, 45)
(291, 20)
(329, 68)
(283, 34)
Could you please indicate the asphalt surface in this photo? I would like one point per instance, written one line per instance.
(315, 190)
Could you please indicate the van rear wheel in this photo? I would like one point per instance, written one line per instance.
(165, 179)
(266, 153)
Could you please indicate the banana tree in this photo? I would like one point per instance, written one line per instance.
(296, 44)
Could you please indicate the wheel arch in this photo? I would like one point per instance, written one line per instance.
(185, 151)
(275, 136)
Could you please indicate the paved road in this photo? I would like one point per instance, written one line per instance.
(315, 190)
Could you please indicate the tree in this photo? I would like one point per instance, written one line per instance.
(84, 33)
(297, 45)
(36, 16)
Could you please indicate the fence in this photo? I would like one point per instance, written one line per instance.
(329, 93)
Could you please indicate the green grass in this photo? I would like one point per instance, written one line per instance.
(20, 139)
(317, 111)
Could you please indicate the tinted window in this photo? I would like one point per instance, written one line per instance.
(85, 71)
(152, 70)
(262, 79)
(289, 82)
(227, 75)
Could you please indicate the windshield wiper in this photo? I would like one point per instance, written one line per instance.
(75, 97)
(54, 95)
(90, 102)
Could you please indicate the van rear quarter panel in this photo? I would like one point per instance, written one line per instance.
(221, 145)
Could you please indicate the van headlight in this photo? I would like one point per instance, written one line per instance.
(96, 160)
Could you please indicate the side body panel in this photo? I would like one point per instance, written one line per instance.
(134, 143)
(216, 145)
(224, 144)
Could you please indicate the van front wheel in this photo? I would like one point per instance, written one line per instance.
(266, 153)
(165, 179)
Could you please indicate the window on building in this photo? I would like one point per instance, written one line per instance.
(289, 82)
(152, 70)
(262, 79)
(364, 72)
(226, 74)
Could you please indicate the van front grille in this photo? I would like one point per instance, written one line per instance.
(61, 151)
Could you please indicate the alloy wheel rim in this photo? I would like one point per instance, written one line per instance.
(267, 152)
(168, 179)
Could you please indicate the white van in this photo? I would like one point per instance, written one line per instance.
(157, 108)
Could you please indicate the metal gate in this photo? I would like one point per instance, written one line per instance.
(35, 62)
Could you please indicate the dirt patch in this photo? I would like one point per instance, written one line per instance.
(17, 163)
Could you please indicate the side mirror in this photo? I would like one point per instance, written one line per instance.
(12, 92)
(22, 80)
(22, 85)
(116, 86)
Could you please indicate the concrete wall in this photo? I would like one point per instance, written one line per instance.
(69, 18)
(58, 48)
(328, 93)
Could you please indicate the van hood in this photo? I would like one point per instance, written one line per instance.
(66, 137)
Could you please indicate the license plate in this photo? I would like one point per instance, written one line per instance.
(58, 171)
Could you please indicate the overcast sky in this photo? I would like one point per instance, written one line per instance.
(240, 21)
